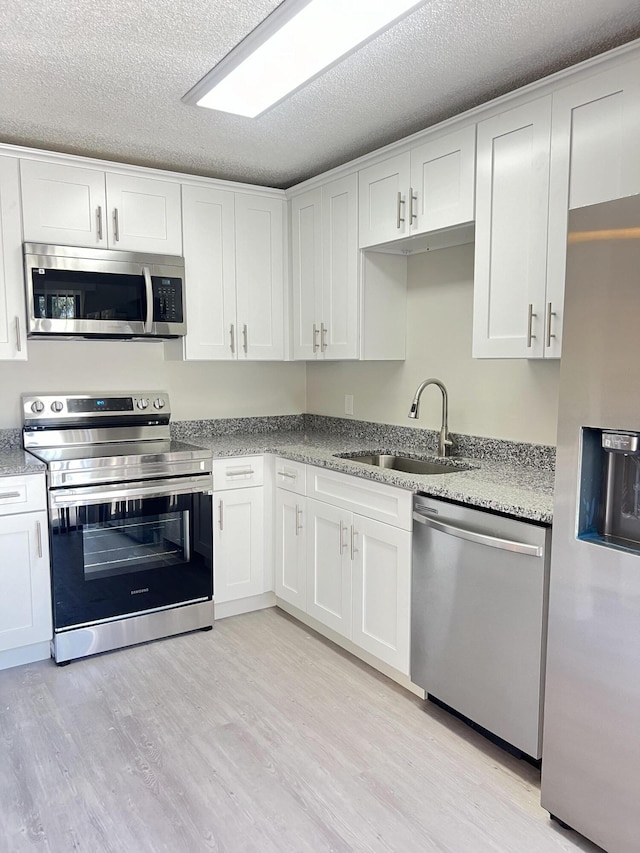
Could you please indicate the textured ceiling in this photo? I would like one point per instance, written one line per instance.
(106, 78)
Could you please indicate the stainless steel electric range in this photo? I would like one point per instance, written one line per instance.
(130, 520)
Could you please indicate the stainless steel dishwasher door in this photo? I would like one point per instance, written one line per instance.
(478, 617)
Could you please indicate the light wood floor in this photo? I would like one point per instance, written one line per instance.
(256, 736)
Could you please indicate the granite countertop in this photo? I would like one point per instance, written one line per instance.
(505, 476)
(522, 490)
(14, 460)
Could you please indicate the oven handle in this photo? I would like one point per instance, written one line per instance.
(89, 495)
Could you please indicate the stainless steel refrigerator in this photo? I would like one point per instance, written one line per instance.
(591, 742)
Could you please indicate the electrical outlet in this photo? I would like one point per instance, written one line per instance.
(348, 404)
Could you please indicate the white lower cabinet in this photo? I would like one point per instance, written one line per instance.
(240, 562)
(381, 590)
(25, 586)
(329, 566)
(348, 571)
(238, 544)
(291, 529)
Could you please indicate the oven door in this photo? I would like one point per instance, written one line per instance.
(130, 548)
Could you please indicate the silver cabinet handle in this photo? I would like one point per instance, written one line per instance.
(18, 336)
(480, 538)
(550, 313)
(530, 335)
(99, 222)
(315, 338)
(245, 338)
(148, 323)
(413, 197)
(298, 517)
(354, 533)
(399, 206)
(9, 495)
(232, 336)
(323, 337)
(343, 530)
(39, 536)
(116, 225)
(293, 476)
(240, 472)
(220, 515)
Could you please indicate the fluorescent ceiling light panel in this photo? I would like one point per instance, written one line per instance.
(295, 43)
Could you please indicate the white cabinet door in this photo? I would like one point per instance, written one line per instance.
(329, 566)
(594, 158)
(13, 338)
(260, 276)
(238, 544)
(382, 590)
(25, 599)
(291, 554)
(63, 205)
(512, 201)
(210, 273)
(443, 181)
(339, 323)
(143, 214)
(306, 255)
(383, 202)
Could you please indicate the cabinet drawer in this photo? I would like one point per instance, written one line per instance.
(240, 472)
(24, 493)
(365, 497)
(291, 476)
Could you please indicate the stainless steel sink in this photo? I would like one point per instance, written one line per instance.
(406, 463)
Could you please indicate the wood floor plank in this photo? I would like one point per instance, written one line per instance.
(257, 737)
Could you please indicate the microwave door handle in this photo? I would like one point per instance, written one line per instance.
(148, 323)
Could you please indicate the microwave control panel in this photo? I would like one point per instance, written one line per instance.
(167, 300)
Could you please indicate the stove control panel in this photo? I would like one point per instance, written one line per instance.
(65, 409)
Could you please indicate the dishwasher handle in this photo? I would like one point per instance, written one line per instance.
(479, 538)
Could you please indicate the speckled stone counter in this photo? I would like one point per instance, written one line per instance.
(13, 460)
(503, 476)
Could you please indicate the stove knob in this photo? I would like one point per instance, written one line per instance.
(159, 403)
(142, 404)
(56, 406)
(37, 406)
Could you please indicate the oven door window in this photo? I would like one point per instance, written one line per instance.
(113, 559)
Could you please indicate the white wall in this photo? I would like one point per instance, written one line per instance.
(512, 399)
(196, 389)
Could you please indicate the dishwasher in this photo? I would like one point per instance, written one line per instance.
(479, 615)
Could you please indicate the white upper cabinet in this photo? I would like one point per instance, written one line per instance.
(12, 306)
(234, 273)
(427, 189)
(595, 141)
(260, 276)
(73, 206)
(210, 273)
(143, 214)
(325, 271)
(512, 200)
(443, 181)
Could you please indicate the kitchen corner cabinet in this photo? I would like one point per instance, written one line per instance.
(234, 269)
(426, 189)
(512, 203)
(74, 206)
(12, 304)
(324, 248)
(25, 602)
(239, 562)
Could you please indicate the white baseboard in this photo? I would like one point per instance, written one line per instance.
(244, 605)
(25, 654)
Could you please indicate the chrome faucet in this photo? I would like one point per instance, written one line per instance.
(446, 445)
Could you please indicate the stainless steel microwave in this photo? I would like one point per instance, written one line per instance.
(98, 293)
